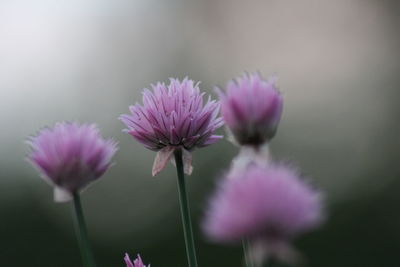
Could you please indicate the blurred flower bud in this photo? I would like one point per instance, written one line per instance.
(70, 156)
(252, 108)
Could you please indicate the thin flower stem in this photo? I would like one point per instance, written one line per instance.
(185, 214)
(81, 232)
(246, 252)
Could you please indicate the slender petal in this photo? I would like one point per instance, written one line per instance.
(128, 261)
(136, 263)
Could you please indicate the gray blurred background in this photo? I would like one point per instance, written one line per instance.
(338, 64)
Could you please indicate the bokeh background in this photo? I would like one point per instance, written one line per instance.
(339, 69)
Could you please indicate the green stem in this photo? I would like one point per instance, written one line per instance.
(246, 252)
(81, 232)
(185, 214)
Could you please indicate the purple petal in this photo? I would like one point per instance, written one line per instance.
(128, 261)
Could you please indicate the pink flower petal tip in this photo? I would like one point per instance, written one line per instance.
(136, 263)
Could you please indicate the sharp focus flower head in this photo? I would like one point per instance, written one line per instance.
(70, 156)
(136, 263)
(174, 117)
(269, 203)
(252, 108)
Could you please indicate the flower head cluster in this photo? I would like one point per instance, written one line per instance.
(252, 109)
(136, 263)
(174, 117)
(269, 203)
(70, 156)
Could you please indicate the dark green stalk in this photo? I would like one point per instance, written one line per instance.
(81, 232)
(185, 214)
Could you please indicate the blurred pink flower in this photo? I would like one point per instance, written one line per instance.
(174, 117)
(136, 263)
(252, 108)
(70, 156)
(269, 205)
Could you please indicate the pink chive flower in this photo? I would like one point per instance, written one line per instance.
(252, 108)
(136, 263)
(70, 156)
(173, 117)
(269, 205)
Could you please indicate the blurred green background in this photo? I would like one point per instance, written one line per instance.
(339, 69)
